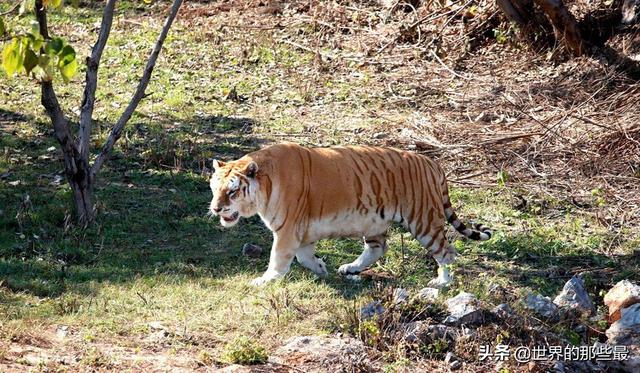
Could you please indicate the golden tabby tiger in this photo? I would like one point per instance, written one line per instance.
(306, 194)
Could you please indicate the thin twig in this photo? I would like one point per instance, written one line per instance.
(140, 90)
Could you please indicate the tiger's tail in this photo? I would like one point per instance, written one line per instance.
(479, 232)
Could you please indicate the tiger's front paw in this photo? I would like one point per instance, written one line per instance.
(349, 269)
(267, 277)
(258, 281)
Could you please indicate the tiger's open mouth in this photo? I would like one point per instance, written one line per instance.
(231, 218)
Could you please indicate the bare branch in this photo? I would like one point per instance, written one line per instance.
(139, 93)
(91, 81)
(52, 106)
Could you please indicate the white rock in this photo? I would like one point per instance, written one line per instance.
(463, 309)
(428, 294)
(622, 295)
(400, 296)
(320, 351)
(574, 296)
(541, 305)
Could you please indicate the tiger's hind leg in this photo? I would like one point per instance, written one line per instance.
(374, 249)
(443, 253)
(306, 256)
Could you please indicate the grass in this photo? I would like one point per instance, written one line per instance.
(153, 256)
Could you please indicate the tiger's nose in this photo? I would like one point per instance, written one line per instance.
(216, 209)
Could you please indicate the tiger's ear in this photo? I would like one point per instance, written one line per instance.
(217, 164)
(251, 170)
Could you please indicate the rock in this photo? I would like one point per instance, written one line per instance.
(370, 310)
(622, 295)
(626, 331)
(62, 331)
(450, 357)
(455, 365)
(423, 332)
(322, 354)
(464, 309)
(502, 310)
(428, 294)
(156, 325)
(541, 305)
(400, 296)
(234, 368)
(251, 250)
(575, 297)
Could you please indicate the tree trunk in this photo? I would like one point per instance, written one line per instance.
(564, 23)
(82, 189)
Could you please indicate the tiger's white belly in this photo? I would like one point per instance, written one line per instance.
(354, 225)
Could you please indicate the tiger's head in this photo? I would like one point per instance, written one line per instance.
(234, 187)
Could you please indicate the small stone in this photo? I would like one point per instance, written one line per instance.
(502, 310)
(428, 294)
(156, 325)
(575, 297)
(622, 295)
(62, 331)
(370, 310)
(450, 357)
(463, 309)
(307, 353)
(541, 305)
(379, 135)
(423, 332)
(400, 296)
(455, 365)
(251, 250)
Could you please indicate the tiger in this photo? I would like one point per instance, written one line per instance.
(305, 194)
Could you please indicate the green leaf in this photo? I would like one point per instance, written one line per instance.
(3, 29)
(67, 64)
(54, 46)
(12, 58)
(55, 3)
(503, 177)
(30, 60)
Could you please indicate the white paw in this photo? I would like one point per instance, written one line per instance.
(349, 269)
(259, 281)
(266, 277)
(439, 283)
